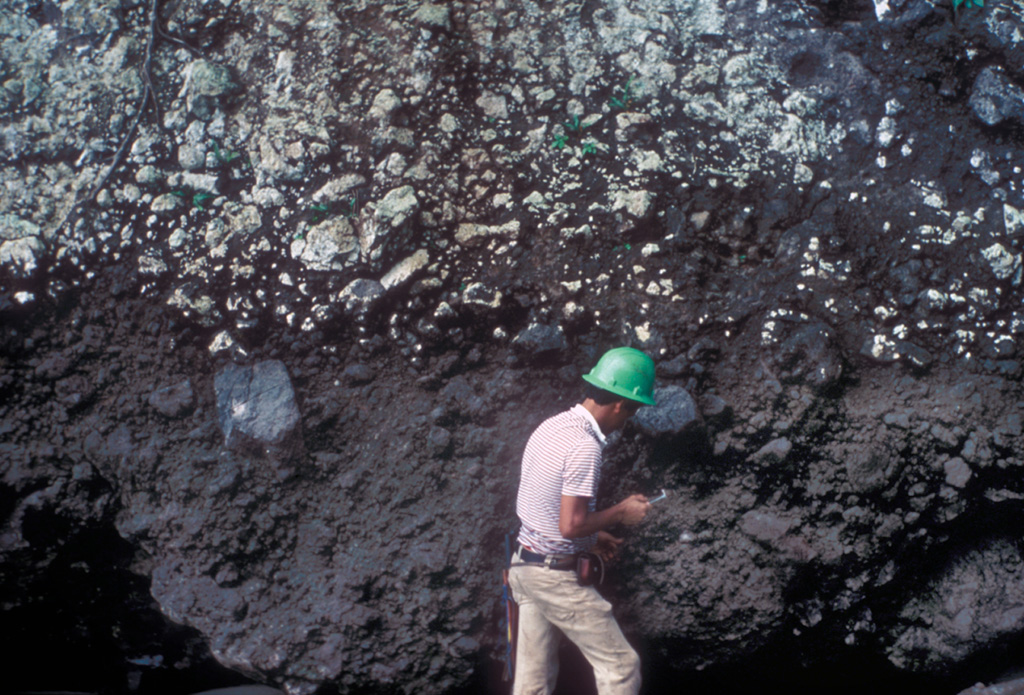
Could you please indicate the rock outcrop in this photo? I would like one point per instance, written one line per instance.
(284, 336)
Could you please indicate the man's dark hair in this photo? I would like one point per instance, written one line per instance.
(599, 395)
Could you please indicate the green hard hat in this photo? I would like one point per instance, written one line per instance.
(626, 372)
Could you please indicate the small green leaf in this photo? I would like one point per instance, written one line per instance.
(224, 157)
(199, 198)
(560, 142)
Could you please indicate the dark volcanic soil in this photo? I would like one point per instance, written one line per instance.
(263, 402)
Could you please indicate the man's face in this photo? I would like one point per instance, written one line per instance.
(624, 410)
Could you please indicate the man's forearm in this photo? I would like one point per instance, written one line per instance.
(580, 523)
(575, 519)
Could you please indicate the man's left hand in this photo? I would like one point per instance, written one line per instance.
(607, 547)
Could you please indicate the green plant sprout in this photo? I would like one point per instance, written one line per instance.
(574, 125)
(969, 3)
(320, 212)
(627, 97)
(225, 157)
(199, 198)
(589, 147)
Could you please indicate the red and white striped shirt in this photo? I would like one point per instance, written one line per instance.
(562, 457)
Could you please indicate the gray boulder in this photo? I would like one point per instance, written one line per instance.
(539, 342)
(257, 410)
(804, 353)
(675, 413)
(361, 296)
(995, 98)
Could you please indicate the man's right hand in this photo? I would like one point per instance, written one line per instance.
(634, 509)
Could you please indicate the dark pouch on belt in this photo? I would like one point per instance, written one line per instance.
(589, 569)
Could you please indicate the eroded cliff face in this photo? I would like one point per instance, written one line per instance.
(287, 334)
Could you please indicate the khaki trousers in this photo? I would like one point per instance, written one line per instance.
(550, 598)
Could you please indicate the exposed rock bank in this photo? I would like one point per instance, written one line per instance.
(352, 253)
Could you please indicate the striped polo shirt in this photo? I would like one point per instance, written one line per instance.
(562, 457)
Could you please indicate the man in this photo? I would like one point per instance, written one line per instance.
(559, 519)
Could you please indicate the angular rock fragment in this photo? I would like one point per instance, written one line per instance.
(471, 234)
(995, 98)
(405, 270)
(338, 188)
(206, 84)
(493, 105)
(256, 409)
(397, 205)
(166, 202)
(541, 343)
(1013, 220)
(360, 296)
(774, 451)
(808, 354)
(22, 255)
(674, 413)
(958, 473)
(330, 245)
(882, 348)
(636, 203)
(432, 15)
(384, 104)
(479, 295)
(1005, 265)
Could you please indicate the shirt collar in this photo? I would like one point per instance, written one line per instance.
(580, 410)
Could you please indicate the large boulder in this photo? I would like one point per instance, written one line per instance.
(675, 412)
(257, 410)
